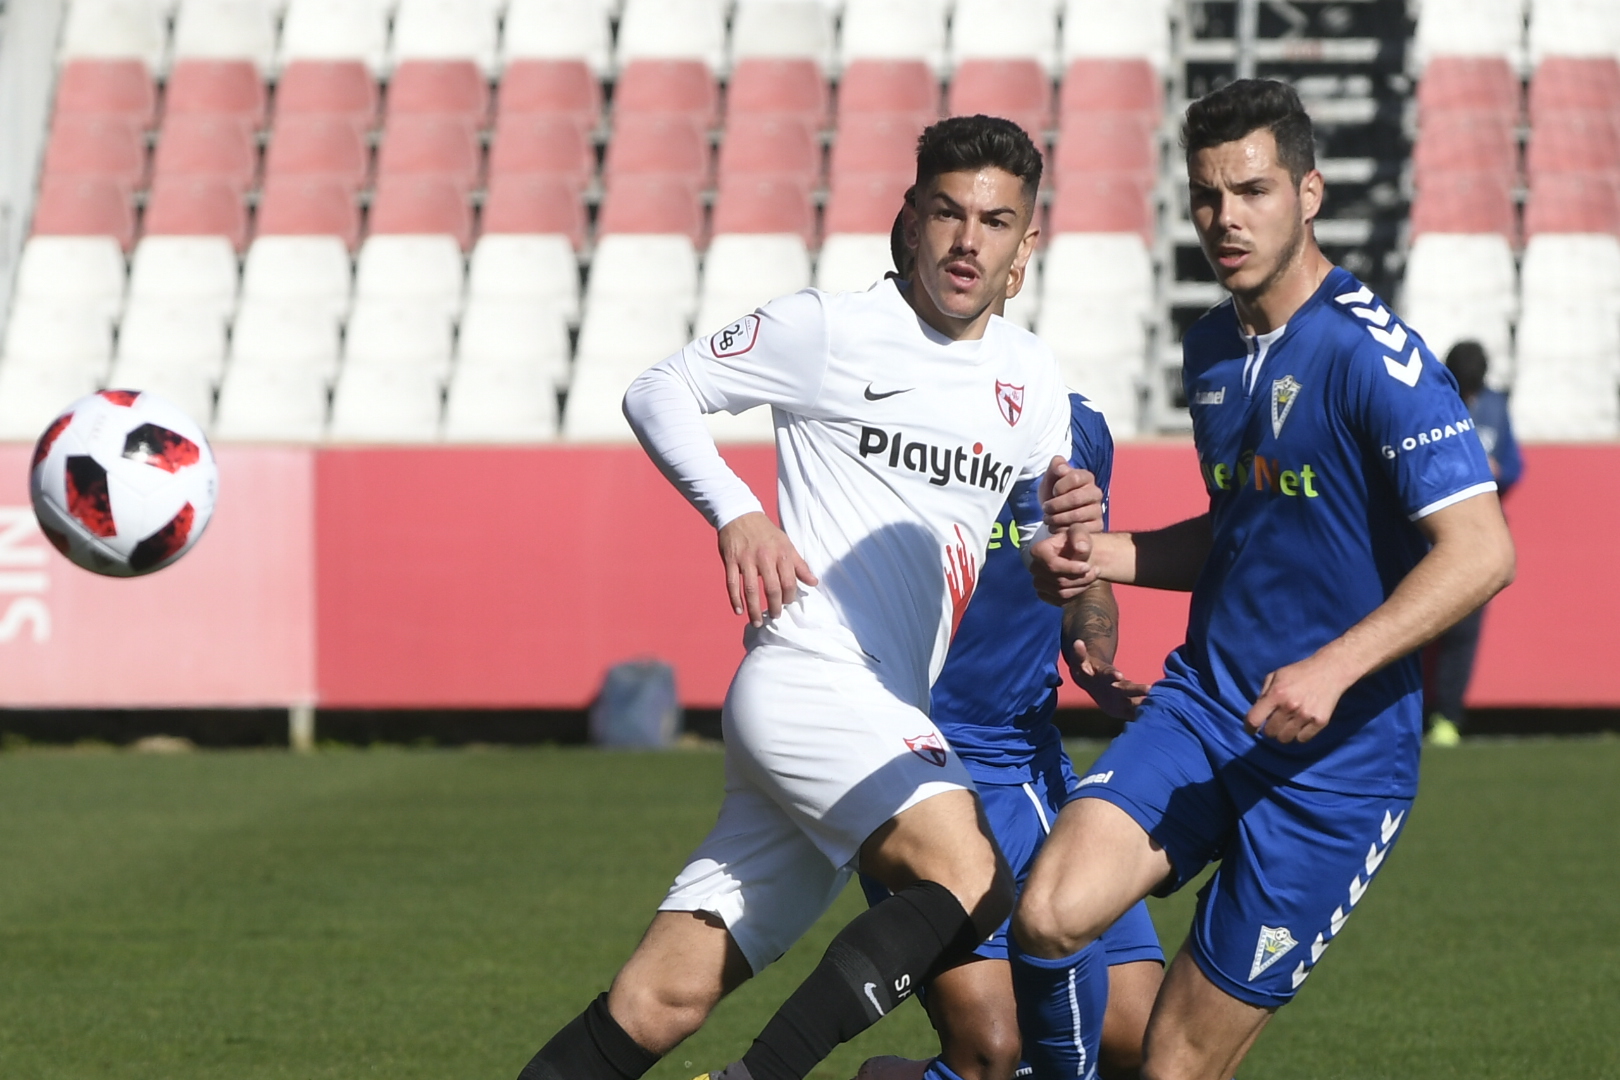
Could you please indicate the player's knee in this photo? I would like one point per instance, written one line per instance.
(659, 1016)
(1045, 928)
(990, 1053)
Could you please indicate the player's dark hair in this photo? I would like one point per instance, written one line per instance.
(898, 252)
(1467, 363)
(1247, 105)
(970, 143)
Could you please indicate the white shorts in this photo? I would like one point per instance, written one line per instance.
(818, 756)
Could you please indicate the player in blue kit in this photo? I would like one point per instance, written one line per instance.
(1352, 518)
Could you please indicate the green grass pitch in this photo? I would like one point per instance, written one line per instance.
(437, 914)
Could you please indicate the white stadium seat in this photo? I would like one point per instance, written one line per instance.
(645, 268)
(1470, 28)
(743, 271)
(673, 30)
(1107, 368)
(193, 270)
(617, 342)
(1005, 30)
(57, 333)
(500, 333)
(535, 268)
(1463, 266)
(495, 404)
(558, 30)
(446, 30)
(1082, 267)
(783, 29)
(894, 30)
(853, 262)
(398, 333)
(424, 269)
(116, 29)
(1572, 265)
(284, 333)
(309, 270)
(1574, 28)
(1025, 308)
(1566, 384)
(33, 394)
(189, 387)
(335, 30)
(383, 404)
(226, 30)
(172, 335)
(85, 271)
(1444, 321)
(262, 402)
(1107, 29)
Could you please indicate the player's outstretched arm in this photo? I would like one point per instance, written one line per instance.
(1066, 562)
(1090, 640)
(1471, 560)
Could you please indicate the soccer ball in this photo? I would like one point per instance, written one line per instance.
(123, 483)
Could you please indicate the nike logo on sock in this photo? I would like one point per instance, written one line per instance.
(873, 986)
(886, 394)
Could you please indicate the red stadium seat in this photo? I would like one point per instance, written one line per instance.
(1459, 141)
(1570, 84)
(791, 87)
(309, 206)
(764, 145)
(764, 204)
(342, 88)
(196, 206)
(430, 146)
(1113, 143)
(1112, 86)
(107, 88)
(653, 145)
(865, 204)
(1102, 203)
(1464, 203)
(541, 145)
(230, 88)
(222, 147)
(421, 204)
(1572, 204)
(1469, 83)
(453, 87)
(651, 204)
(1574, 142)
(1019, 90)
(84, 206)
(318, 147)
(889, 86)
(876, 144)
(543, 205)
(565, 87)
(685, 87)
(109, 147)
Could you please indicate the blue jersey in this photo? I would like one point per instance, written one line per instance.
(1320, 448)
(1002, 665)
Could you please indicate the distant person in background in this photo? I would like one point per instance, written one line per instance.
(1451, 657)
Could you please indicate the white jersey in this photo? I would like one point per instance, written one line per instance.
(896, 450)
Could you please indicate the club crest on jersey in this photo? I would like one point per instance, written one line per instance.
(1275, 941)
(1011, 400)
(930, 747)
(1284, 392)
(737, 338)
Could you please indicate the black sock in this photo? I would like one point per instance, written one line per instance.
(591, 1047)
(874, 964)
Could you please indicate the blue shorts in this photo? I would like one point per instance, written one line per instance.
(1294, 861)
(1020, 816)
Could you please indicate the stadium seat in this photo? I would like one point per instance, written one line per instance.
(1574, 84)
(741, 272)
(1565, 385)
(1102, 203)
(783, 29)
(446, 30)
(865, 203)
(1464, 203)
(893, 30)
(852, 262)
(1469, 28)
(270, 403)
(1019, 90)
(673, 30)
(195, 270)
(1469, 142)
(650, 204)
(617, 342)
(335, 30)
(1110, 270)
(120, 88)
(1112, 382)
(765, 204)
(889, 87)
(307, 271)
(398, 333)
(537, 270)
(300, 206)
(536, 205)
(213, 147)
(1112, 85)
(443, 146)
(196, 206)
(316, 147)
(535, 144)
(1585, 28)
(494, 404)
(382, 404)
(658, 145)
(1005, 30)
(106, 147)
(421, 204)
(1574, 142)
(62, 333)
(1469, 83)
(876, 145)
(171, 338)
(83, 271)
(1105, 29)
(285, 332)
(424, 270)
(1570, 265)
(84, 206)
(335, 88)
(189, 388)
(1025, 308)
(1565, 203)
(786, 87)
(1108, 143)
(557, 30)
(514, 332)
(230, 89)
(765, 145)
(450, 87)
(561, 88)
(32, 395)
(682, 87)
(1480, 268)
(116, 30)
(655, 269)
(1442, 321)
(226, 30)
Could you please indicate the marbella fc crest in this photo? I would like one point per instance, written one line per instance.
(1011, 400)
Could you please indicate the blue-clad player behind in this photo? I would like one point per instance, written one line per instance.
(1352, 517)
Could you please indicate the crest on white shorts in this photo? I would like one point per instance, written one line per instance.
(929, 747)
(1010, 398)
(1274, 942)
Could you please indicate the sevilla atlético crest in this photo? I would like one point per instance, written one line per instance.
(1011, 400)
(930, 747)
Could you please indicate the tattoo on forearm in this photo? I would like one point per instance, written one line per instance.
(1094, 620)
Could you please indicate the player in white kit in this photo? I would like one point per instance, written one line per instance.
(904, 416)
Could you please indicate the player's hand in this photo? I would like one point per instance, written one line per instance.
(1297, 701)
(1114, 694)
(1070, 496)
(1061, 565)
(763, 568)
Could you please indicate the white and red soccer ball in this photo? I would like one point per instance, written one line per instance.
(123, 483)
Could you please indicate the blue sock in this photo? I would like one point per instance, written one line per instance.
(1060, 1010)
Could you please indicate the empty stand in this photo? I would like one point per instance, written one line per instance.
(1103, 203)
(107, 147)
(1565, 385)
(430, 145)
(424, 270)
(788, 87)
(337, 88)
(84, 206)
(876, 145)
(853, 262)
(865, 203)
(658, 145)
(742, 272)
(311, 272)
(548, 205)
(1442, 321)
(455, 88)
(1468, 142)
(379, 403)
(617, 341)
(767, 145)
(1573, 84)
(31, 396)
(226, 30)
(397, 333)
(1024, 309)
(537, 144)
(654, 270)
(1108, 271)
(120, 88)
(649, 204)
(1114, 143)
(197, 271)
(1005, 30)
(196, 206)
(116, 29)
(683, 87)
(1587, 28)
(490, 404)
(421, 204)
(1104, 29)
(894, 30)
(673, 30)
(514, 334)
(557, 30)
(1464, 203)
(323, 147)
(306, 206)
(172, 336)
(1469, 83)
(1574, 142)
(765, 204)
(537, 270)
(889, 87)
(1572, 266)
(227, 88)
(1019, 90)
(215, 147)
(58, 333)
(1571, 203)
(780, 29)
(1102, 84)
(270, 403)
(1479, 268)
(1485, 28)
(335, 30)
(285, 333)
(553, 87)
(82, 271)
(446, 30)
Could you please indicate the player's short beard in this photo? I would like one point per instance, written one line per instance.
(1285, 261)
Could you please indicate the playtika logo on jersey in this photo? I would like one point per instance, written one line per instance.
(942, 464)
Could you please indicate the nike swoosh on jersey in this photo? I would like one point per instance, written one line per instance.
(886, 394)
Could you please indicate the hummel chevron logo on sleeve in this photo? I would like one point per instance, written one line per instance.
(1408, 372)
(1362, 295)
